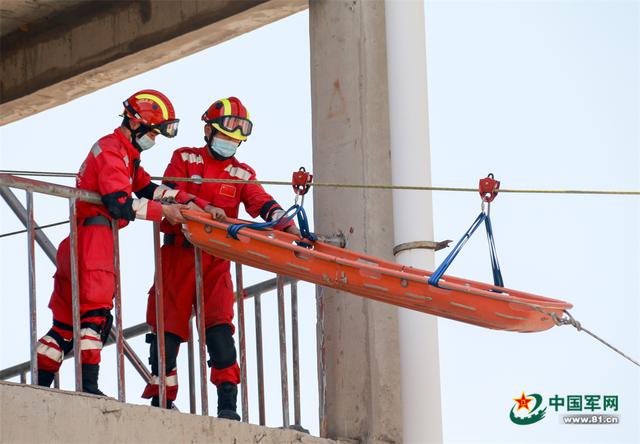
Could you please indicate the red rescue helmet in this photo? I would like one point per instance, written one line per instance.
(153, 110)
(229, 116)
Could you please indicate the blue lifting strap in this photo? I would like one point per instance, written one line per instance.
(497, 274)
(295, 210)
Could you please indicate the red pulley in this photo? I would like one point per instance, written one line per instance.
(488, 188)
(301, 181)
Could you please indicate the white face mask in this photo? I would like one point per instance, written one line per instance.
(224, 148)
(145, 142)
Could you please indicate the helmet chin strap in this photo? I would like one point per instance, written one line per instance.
(140, 131)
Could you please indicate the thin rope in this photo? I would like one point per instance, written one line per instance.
(348, 185)
(40, 227)
(569, 320)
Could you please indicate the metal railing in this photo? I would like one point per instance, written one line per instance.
(119, 336)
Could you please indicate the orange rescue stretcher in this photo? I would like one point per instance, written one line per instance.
(463, 300)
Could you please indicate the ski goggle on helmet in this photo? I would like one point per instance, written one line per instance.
(153, 110)
(230, 117)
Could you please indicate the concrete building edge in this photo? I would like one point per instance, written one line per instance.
(154, 56)
(104, 420)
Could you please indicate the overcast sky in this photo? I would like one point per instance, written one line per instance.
(542, 94)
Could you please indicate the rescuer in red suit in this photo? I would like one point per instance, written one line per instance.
(111, 169)
(227, 125)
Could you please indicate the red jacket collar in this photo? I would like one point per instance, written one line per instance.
(132, 150)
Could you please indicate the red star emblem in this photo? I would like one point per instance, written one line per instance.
(523, 402)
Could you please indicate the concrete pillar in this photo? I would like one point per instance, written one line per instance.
(351, 145)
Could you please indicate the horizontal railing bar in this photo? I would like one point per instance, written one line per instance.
(140, 329)
(49, 188)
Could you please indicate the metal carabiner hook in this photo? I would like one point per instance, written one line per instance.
(485, 206)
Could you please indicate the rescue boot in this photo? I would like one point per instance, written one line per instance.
(90, 379)
(155, 402)
(45, 378)
(227, 400)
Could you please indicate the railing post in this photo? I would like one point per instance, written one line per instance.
(321, 361)
(162, 373)
(202, 335)
(75, 291)
(33, 323)
(259, 358)
(192, 370)
(118, 307)
(241, 340)
(296, 352)
(284, 384)
(132, 357)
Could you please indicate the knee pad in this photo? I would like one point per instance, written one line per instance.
(222, 349)
(90, 342)
(171, 349)
(51, 349)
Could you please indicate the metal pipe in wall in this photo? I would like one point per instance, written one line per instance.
(118, 308)
(241, 339)
(411, 164)
(202, 335)
(259, 358)
(33, 324)
(162, 373)
(284, 383)
(75, 292)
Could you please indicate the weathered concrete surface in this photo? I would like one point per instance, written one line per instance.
(20, 14)
(74, 51)
(37, 415)
(351, 145)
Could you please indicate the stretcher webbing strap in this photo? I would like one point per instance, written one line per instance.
(495, 266)
(293, 211)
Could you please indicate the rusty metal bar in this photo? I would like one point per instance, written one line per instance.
(162, 371)
(192, 369)
(49, 188)
(296, 353)
(241, 340)
(202, 335)
(321, 361)
(259, 358)
(131, 355)
(33, 316)
(118, 308)
(284, 383)
(75, 292)
(21, 213)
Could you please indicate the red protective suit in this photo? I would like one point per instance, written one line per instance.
(178, 273)
(112, 165)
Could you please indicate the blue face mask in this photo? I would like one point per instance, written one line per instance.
(224, 148)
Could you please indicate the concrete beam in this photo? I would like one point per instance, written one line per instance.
(361, 365)
(40, 415)
(95, 44)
